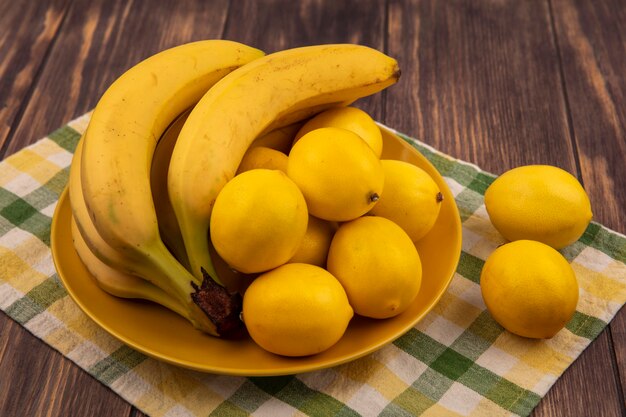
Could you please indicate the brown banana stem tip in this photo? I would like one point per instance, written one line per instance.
(220, 306)
(374, 197)
(439, 197)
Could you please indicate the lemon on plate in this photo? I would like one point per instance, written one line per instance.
(529, 288)
(377, 264)
(316, 242)
(261, 157)
(410, 198)
(539, 202)
(278, 139)
(258, 220)
(296, 310)
(350, 118)
(340, 176)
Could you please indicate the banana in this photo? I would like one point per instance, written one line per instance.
(274, 91)
(80, 214)
(118, 283)
(113, 273)
(118, 147)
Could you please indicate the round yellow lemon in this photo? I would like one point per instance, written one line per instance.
(316, 242)
(377, 264)
(411, 198)
(350, 118)
(278, 139)
(296, 310)
(258, 220)
(337, 172)
(261, 157)
(529, 288)
(539, 202)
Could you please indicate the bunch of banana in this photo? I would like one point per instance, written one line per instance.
(115, 168)
(271, 92)
(123, 211)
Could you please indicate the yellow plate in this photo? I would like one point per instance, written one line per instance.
(161, 334)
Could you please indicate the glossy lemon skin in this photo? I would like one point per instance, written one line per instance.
(410, 198)
(340, 176)
(316, 242)
(350, 118)
(258, 221)
(529, 288)
(261, 157)
(377, 264)
(296, 310)
(539, 202)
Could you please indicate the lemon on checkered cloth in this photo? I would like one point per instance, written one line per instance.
(539, 202)
(529, 288)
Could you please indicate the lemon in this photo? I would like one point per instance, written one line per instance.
(350, 118)
(296, 310)
(377, 264)
(529, 288)
(316, 242)
(278, 139)
(258, 220)
(539, 202)
(261, 157)
(337, 172)
(411, 198)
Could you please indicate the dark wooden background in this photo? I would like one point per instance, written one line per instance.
(499, 83)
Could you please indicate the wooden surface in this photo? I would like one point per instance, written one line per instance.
(500, 83)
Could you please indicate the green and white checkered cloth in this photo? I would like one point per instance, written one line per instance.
(456, 361)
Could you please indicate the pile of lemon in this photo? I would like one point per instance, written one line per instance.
(527, 284)
(326, 227)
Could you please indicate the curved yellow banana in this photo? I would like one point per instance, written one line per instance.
(276, 90)
(113, 273)
(80, 215)
(118, 147)
(118, 283)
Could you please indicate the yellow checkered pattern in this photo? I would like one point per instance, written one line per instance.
(456, 362)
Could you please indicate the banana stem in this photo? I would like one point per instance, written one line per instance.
(211, 308)
(200, 256)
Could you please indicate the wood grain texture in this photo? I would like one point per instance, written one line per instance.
(592, 44)
(592, 40)
(482, 82)
(26, 37)
(273, 25)
(618, 333)
(476, 88)
(99, 41)
(500, 83)
(38, 381)
(584, 389)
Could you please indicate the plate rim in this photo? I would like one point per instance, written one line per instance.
(287, 370)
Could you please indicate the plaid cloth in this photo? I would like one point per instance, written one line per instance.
(457, 361)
